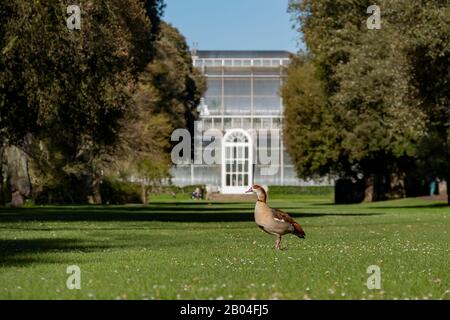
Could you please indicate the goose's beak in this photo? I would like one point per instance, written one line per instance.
(249, 190)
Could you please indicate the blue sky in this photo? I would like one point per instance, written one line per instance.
(234, 24)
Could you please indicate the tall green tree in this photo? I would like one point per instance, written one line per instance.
(427, 50)
(366, 78)
(310, 132)
(179, 85)
(72, 87)
(167, 96)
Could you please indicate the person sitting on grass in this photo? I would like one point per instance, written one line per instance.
(197, 194)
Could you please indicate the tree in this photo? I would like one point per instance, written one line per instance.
(177, 85)
(382, 124)
(428, 53)
(143, 152)
(310, 133)
(167, 96)
(72, 88)
(375, 121)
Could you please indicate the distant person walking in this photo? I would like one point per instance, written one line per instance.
(433, 185)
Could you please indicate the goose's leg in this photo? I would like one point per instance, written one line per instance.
(278, 243)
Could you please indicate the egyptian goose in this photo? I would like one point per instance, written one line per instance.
(273, 221)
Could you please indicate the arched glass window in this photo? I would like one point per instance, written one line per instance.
(237, 156)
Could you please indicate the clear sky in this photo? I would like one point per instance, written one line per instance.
(234, 24)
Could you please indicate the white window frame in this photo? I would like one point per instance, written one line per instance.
(248, 144)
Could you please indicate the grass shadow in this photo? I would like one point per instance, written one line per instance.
(162, 213)
(412, 206)
(15, 252)
(383, 205)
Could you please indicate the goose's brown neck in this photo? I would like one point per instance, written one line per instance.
(262, 196)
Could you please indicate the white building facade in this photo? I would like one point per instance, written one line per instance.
(243, 104)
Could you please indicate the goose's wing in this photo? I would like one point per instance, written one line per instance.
(282, 216)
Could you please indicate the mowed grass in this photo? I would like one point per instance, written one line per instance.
(206, 250)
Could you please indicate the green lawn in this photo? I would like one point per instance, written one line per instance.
(201, 250)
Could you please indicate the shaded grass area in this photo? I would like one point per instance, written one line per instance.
(203, 250)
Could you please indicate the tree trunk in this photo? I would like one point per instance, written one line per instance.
(94, 195)
(397, 186)
(379, 187)
(369, 191)
(2, 191)
(96, 191)
(17, 175)
(143, 193)
(448, 189)
(443, 188)
(2, 180)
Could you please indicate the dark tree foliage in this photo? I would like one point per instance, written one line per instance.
(166, 99)
(71, 88)
(155, 10)
(171, 84)
(309, 130)
(428, 53)
(384, 90)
